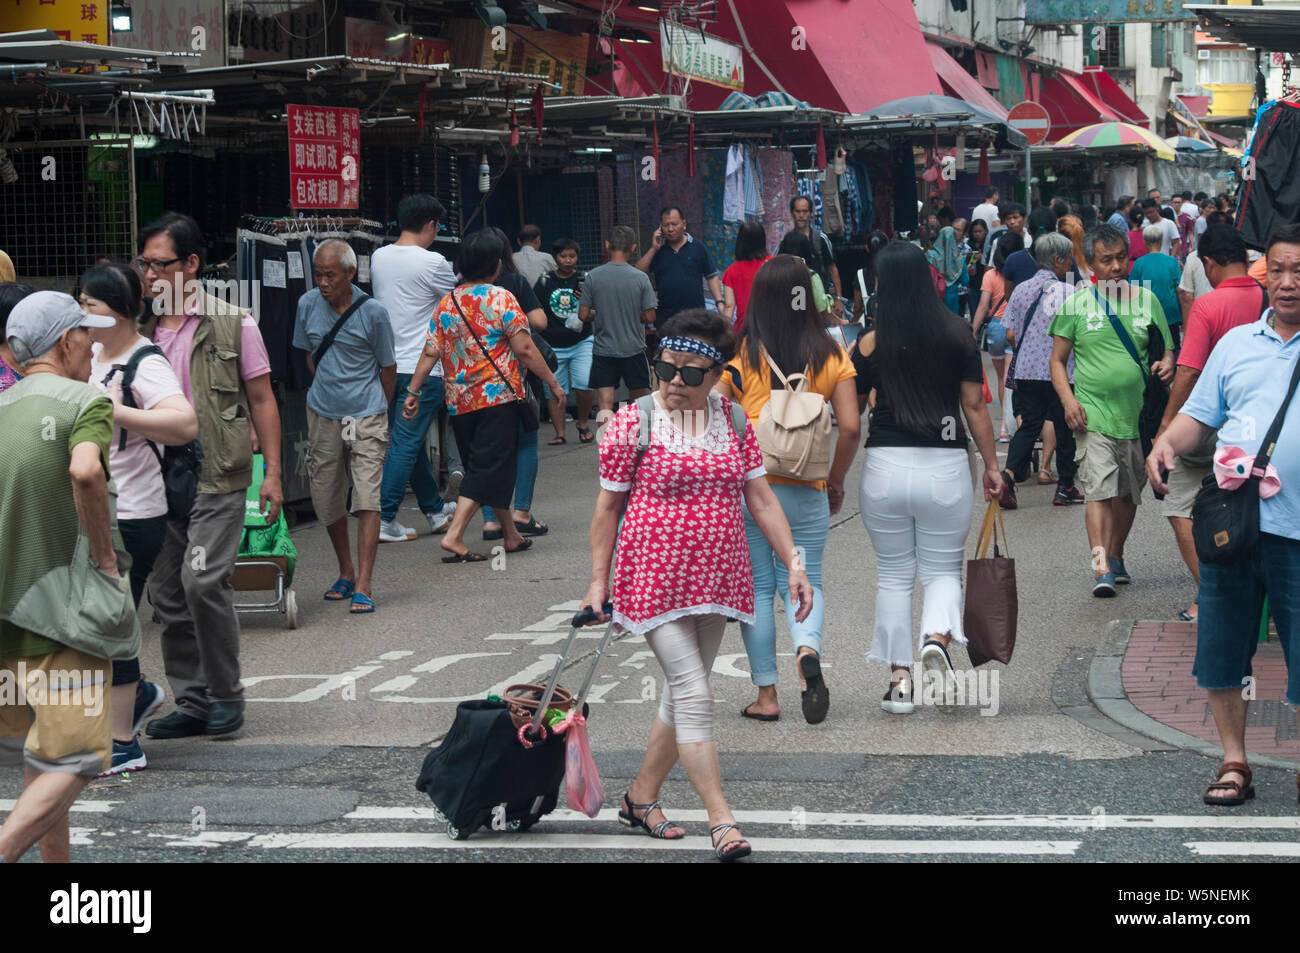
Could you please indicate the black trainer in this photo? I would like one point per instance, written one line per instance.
(176, 725)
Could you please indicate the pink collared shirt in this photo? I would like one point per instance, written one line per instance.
(176, 345)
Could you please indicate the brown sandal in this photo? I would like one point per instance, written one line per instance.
(1243, 790)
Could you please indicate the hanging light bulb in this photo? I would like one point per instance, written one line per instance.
(484, 175)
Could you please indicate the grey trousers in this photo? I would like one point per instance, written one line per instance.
(190, 589)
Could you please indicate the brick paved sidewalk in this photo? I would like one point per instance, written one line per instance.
(1157, 672)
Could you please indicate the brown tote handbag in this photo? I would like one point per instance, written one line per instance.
(992, 605)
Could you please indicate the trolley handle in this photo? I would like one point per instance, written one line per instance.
(588, 615)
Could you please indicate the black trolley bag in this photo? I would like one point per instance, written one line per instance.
(498, 766)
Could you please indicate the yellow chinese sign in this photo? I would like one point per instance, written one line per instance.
(76, 20)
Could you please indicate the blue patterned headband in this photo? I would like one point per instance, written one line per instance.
(691, 346)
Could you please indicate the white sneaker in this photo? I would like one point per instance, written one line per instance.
(452, 491)
(898, 698)
(438, 522)
(391, 531)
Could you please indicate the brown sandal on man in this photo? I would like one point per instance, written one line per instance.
(1242, 790)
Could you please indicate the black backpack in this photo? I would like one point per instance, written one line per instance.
(180, 465)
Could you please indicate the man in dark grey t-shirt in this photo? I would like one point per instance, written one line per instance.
(623, 303)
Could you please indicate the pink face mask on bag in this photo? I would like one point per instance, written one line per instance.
(1232, 467)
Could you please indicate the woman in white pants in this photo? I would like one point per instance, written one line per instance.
(922, 366)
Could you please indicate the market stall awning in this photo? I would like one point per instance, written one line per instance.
(960, 84)
(1273, 27)
(1105, 88)
(924, 113)
(816, 51)
(1071, 105)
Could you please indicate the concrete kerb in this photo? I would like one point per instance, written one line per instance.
(1105, 690)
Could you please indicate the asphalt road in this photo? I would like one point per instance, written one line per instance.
(342, 710)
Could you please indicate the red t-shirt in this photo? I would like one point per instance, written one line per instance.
(1234, 302)
(740, 279)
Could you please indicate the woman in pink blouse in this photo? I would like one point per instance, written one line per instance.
(683, 564)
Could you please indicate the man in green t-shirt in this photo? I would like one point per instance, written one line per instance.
(1103, 406)
(55, 430)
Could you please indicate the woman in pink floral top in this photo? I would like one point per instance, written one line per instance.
(11, 292)
(683, 563)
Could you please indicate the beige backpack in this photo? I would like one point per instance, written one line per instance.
(794, 429)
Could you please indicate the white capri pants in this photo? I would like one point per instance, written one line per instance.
(916, 504)
(686, 648)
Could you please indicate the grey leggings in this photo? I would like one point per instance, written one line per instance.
(686, 648)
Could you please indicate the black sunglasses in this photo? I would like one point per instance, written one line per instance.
(691, 376)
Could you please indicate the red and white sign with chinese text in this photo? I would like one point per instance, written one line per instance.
(324, 157)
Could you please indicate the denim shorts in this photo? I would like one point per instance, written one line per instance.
(1230, 600)
(997, 338)
(574, 370)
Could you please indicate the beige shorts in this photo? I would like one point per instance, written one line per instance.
(1108, 467)
(339, 449)
(58, 703)
(1184, 484)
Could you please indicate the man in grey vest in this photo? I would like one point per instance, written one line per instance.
(220, 360)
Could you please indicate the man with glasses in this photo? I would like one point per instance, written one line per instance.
(220, 360)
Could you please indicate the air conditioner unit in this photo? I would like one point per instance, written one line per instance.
(1202, 54)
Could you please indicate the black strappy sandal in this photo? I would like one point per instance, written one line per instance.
(732, 850)
(628, 818)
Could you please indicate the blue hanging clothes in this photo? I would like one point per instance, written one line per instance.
(734, 193)
(753, 185)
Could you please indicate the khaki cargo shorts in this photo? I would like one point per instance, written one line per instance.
(1184, 483)
(339, 449)
(1108, 467)
(55, 707)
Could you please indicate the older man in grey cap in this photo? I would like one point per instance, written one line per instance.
(54, 509)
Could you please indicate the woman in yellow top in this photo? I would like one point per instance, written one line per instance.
(796, 340)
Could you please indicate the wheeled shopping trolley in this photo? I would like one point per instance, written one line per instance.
(267, 557)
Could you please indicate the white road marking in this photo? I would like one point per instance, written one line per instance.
(84, 807)
(381, 840)
(818, 819)
(1243, 849)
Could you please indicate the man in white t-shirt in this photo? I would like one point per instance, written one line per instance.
(987, 212)
(409, 281)
(1169, 231)
(1194, 284)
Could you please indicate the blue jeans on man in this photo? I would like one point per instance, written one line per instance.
(408, 460)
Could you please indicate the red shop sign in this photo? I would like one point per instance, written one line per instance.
(324, 157)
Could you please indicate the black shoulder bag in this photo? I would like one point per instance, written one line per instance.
(1154, 393)
(528, 414)
(328, 340)
(1225, 523)
(181, 465)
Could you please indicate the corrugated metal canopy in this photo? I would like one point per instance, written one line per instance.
(1273, 28)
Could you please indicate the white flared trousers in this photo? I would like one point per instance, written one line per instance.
(916, 504)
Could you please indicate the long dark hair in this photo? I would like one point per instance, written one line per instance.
(919, 342)
(794, 336)
(507, 256)
(117, 285)
(751, 242)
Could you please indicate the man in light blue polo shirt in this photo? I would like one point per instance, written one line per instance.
(354, 374)
(1239, 392)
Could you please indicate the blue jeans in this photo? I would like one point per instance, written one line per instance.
(807, 510)
(1230, 601)
(525, 475)
(408, 460)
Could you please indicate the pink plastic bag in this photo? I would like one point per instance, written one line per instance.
(582, 785)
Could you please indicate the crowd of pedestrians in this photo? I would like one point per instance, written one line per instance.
(717, 478)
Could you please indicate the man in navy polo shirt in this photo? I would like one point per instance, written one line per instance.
(680, 265)
(1240, 391)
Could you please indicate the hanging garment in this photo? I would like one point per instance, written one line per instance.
(753, 185)
(1271, 198)
(832, 215)
(866, 217)
(904, 169)
(733, 194)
